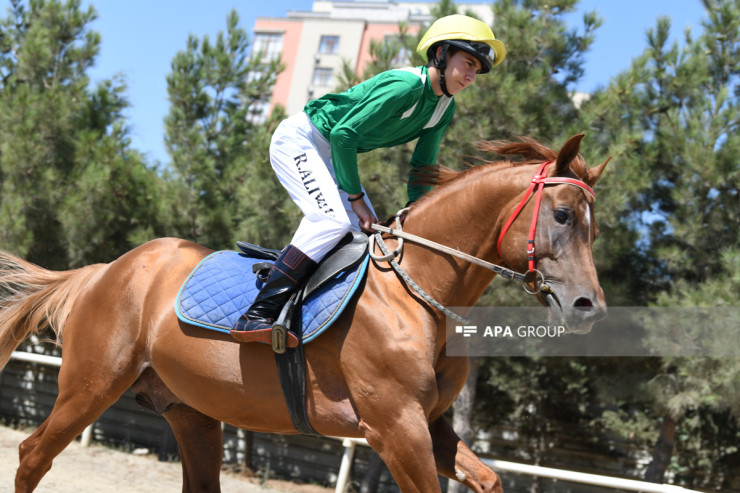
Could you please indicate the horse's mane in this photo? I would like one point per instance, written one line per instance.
(532, 152)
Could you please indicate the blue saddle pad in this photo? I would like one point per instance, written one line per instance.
(222, 287)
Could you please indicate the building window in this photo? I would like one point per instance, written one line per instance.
(269, 44)
(329, 45)
(322, 76)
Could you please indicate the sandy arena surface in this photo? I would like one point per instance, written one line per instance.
(97, 468)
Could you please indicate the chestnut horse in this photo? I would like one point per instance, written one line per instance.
(381, 372)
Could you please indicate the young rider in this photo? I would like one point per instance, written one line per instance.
(314, 153)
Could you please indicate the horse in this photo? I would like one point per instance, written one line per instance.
(380, 372)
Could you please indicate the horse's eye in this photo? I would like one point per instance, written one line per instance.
(562, 216)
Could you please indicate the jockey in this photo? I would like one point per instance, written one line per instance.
(314, 153)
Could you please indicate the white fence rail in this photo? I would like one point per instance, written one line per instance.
(584, 478)
(497, 465)
(537, 471)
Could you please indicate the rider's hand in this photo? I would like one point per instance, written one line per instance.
(364, 213)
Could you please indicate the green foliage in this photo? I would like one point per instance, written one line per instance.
(73, 192)
(214, 88)
(681, 191)
(704, 393)
(676, 113)
(543, 396)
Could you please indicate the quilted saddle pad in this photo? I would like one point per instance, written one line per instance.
(222, 287)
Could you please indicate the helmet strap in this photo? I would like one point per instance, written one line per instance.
(441, 65)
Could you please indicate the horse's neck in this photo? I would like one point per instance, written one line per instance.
(464, 215)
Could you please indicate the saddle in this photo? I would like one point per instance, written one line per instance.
(347, 254)
(224, 285)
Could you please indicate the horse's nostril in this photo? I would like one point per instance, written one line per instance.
(583, 304)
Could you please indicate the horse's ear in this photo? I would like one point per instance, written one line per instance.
(593, 174)
(568, 153)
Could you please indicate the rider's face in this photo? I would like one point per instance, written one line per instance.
(461, 70)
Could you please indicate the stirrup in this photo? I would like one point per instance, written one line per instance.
(279, 335)
(278, 338)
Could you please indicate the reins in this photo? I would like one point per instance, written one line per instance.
(533, 277)
(390, 257)
(399, 233)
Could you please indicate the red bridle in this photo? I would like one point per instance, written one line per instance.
(539, 181)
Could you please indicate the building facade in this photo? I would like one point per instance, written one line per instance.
(314, 45)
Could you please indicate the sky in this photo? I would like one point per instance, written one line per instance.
(141, 37)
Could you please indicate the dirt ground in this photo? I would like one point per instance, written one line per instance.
(97, 468)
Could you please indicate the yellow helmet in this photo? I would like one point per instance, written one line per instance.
(465, 33)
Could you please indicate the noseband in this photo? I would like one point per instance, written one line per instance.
(539, 181)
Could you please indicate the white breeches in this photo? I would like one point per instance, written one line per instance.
(301, 158)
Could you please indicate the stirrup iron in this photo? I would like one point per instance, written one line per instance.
(279, 335)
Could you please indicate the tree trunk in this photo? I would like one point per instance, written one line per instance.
(462, 417)
(663, 451)
(249, 450)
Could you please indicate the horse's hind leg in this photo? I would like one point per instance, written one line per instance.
(456, 461)
(200, 441)
(94, 374)
(82, 399)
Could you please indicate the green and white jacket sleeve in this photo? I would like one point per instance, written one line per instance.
(373, 110)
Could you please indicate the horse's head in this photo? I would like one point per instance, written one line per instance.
(557, 243)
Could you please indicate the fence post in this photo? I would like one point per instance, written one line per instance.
(87, 436)
(344, 468)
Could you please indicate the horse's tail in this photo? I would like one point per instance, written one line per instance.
(33, 299)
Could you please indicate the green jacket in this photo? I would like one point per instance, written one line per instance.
(389, 109)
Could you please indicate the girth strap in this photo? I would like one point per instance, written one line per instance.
(291, 366)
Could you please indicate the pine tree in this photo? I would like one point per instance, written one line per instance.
(72, 190)
(210, 135)
(672, 119)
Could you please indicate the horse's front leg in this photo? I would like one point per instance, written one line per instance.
(401, 438)
(456, 461)
(392, 397)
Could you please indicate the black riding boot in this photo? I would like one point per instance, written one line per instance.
(291, 268)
